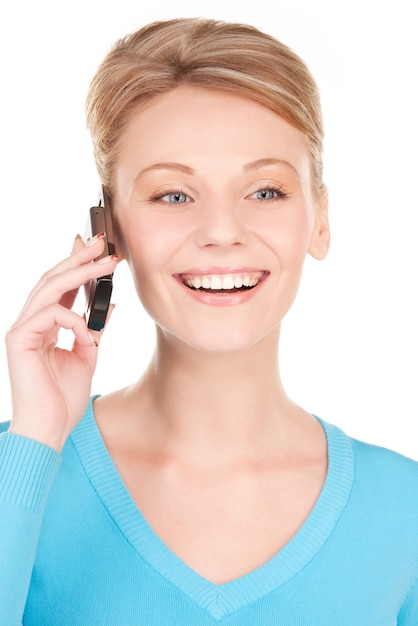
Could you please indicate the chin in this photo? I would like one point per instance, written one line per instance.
(227, 342)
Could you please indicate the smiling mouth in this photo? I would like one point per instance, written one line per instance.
(223, 283)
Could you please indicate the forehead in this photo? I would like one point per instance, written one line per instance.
(196, 126)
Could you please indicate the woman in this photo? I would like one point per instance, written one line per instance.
(199, 493)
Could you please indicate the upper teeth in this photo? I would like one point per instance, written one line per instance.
(222, 281)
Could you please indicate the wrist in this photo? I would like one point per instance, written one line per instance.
(40, 434)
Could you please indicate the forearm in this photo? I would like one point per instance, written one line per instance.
(27, 472)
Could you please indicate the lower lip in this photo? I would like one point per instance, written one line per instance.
(224, 298)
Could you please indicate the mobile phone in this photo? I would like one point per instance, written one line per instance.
(99, 290)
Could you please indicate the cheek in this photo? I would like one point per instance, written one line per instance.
(288, 236)
(151, 243)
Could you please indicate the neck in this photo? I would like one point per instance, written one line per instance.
(206, 404)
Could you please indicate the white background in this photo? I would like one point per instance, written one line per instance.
(350, 344)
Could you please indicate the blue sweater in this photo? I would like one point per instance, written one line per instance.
(76, 551)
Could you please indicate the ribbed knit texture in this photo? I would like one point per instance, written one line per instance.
(27, 472)
(26, 484)
(354, 562)
(219, 600)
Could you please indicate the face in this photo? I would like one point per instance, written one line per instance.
(215, 205)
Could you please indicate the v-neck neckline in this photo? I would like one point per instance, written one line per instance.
(219, 600)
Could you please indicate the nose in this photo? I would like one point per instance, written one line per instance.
(220, 224)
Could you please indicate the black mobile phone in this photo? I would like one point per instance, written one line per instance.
(99, 290)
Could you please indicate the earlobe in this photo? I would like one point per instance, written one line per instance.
(119, 240)
(119, 250)
(320, 239)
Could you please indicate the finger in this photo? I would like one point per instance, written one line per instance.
(30, 335)
(78, 243)
(56, 286)
(82, 253)
(68, 299)
(81, 349)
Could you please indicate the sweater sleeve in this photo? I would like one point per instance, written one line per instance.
(27, 472)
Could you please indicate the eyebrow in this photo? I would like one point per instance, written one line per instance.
(248, 167)
(259, 163)
(167, 165)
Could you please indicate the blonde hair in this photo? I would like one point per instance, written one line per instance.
(228, 57)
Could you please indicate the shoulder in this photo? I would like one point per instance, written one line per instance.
(384, 462)
(387, 479)
(370, 460)
(381, 479)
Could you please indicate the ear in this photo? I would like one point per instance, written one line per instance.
(117, 236)
(119, 240)
(320, 238)
(119, 246)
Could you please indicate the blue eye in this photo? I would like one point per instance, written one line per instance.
(268, 193)
(265, 194)
(176, 197)
(171, 197)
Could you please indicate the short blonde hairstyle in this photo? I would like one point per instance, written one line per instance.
(222, 56)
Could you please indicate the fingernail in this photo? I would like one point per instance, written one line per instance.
(75, 242)
(108, 259)
(93, 341)
(96, 238)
